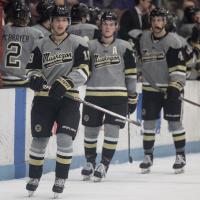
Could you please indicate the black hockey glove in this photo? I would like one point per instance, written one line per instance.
(174, 90)
(132, 103)
(36, 82)
(60, 86)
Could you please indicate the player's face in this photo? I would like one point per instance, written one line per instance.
(108, 28)
(157, 24)
(59, 25)
(197, 17)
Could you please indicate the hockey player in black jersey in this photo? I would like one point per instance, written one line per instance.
(60, 61)
(164, 76)
(112, 85)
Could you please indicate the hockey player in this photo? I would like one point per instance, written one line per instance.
(112, 85)
(194, 40)
(79, 13)
(44, 8)
(62, 62)
(188, 52)
(95, 16)
(18, 41)
(164, 75)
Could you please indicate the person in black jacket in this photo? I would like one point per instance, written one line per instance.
(137, 18)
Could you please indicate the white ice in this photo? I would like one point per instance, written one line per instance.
(123, 182)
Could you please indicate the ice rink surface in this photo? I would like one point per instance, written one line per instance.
(123, 182)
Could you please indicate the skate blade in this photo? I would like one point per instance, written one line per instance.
(97, 179)
(30, 193)
(56, 195)
(86, 178)
(179, 171)
(146, 171)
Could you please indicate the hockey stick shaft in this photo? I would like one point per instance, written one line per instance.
(130, 159)
(189, 101)
(104, 110)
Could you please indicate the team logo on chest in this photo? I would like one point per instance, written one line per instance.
(148, 56)
(50, 59)
(106, 60)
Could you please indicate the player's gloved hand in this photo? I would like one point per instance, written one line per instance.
(37, 81)
(60, 86)
(132, 103)
(174, 90)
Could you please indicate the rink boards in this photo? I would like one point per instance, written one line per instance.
(15, 134)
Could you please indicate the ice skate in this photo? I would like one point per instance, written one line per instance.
(179, 164)
(30, 193)
(56, 195)
(58, 187)
(32, 185)
(146, 164)
(87, 171)
(99, 172)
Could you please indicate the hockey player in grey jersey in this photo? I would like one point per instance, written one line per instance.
(164, 75)
(112, 85)
(18, 41)
(62, 62)
(79, 13)
(44, 8)
(189, 53)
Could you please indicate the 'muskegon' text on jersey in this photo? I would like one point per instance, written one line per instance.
(69, 58)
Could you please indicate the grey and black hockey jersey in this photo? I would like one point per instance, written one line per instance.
(43, 29)
(87, 31)
(69, 58)
(18, 43)
(113, 69)
(163, 61)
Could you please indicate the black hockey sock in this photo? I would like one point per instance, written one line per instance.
(62, 166)
(108, 151)
(90, 151)
(179, 142)
(148, 142)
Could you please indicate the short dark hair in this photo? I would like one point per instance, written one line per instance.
(137, 2)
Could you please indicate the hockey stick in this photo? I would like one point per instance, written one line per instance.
(130, 158)
(148, 78)
(85, 102)
(127, 119)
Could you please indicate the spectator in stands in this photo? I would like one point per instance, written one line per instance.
(137, 18)
(120, 6)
